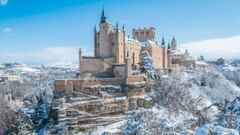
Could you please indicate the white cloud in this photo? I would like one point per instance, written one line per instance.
(211, 49)
(7, 30)
(3, 2)
(45, 56)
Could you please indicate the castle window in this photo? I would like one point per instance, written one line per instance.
(98, 45)
(142, 32)
(112, 44)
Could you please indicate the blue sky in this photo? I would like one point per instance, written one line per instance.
(28, 26)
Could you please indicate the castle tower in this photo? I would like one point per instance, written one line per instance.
(119, 45)
(128, 67)
(96, 42)
(164, 55)
(145, 34)
(103, 46)
(174, 44)
(80, 58)
(163, 43)
(169, 56)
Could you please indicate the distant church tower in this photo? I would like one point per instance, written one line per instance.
(174, 44)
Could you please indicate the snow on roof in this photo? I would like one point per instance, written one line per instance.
(176, 52)
(135, 41)
(201, 63)
(131, 40)
(148, 43)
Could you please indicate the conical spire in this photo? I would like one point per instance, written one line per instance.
(80, 50)
(163, 41)
(123, 27)
(103, 17)
(95, 28)
(117, 25)
(169, 46)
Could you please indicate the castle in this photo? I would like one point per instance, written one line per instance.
(112, 47)
(110, 82)
(116, 56)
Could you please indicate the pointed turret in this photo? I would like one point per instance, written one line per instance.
(80, 50)
(80, 58)
(169, 46)
(163, 42)
(123, 27)
(95, 29)
(117, 25)
(103, 17)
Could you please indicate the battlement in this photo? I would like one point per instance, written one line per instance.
(144, 34)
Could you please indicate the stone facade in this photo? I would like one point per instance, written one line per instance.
(111, 47)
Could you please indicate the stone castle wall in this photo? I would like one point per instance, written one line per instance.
(134, 52)
(157, 55)
(76, 84)
(144, 34)
(94, 65)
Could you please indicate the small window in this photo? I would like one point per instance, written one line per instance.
(112, 44)
(142, 32)
(98, 45)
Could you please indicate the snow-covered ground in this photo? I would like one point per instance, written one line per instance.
(198, 102)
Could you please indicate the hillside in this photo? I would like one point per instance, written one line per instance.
(192, 102)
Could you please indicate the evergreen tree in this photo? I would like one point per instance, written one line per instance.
(147, 65)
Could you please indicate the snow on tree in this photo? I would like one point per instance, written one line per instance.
(144, 122)
(147, 65)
